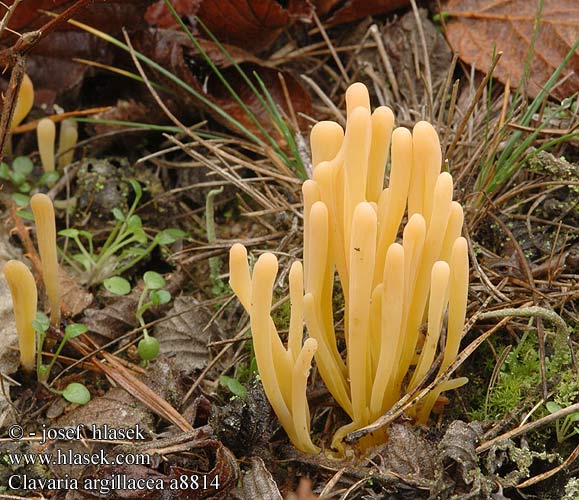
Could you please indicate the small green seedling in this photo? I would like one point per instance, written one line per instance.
(19, 174)
(74, 392)
(153, 294)
(234, 386)
(126, 245)
(566, 428)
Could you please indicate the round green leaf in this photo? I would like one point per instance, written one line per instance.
(22, 165)
(118, 214)
(4, 171)
(117, 285)
(552, 407)
(17, 178)
(233, 385)
(48, 178)
(140, 236)
(74, 330)
(41, 323)
(21, 200)
(169, 236)
(76, 393)
(134, 223)
(153, 280)
(159, 297)
(148, 348)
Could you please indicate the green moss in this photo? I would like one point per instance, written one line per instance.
(519, 381)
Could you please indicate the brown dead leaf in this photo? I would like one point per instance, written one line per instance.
(49, 63)
(352, 10)
(173, 50)
(117, 317)
(252, 25)
(207, 470)
(409, 455)
(184, 335)
(109, 15)
(258, 482)
(476, 26)
(74, 298)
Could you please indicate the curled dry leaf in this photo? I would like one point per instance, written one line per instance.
(457, 456)
(244, 426)
(247, 23)
(476, 28)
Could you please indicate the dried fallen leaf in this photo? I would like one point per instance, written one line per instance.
(253, 25)
(258, 482)
(477, 28)
(457, 457)
(173, 50)
(74, 298)
(115, 318)
(409, 456)
(357, 9)
(110, 15)
(49, 62)
(185, 336)
(208, 470)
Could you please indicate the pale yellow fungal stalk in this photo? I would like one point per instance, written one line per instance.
(46, 135)
(24, 299)
(390, 289)
(43, 210)
(24, 101)
(67, 140)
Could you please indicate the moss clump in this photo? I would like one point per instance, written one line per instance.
(519, 381)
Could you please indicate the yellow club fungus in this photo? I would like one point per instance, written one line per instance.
(24, 299)
(67, 141)
(24, 101)
(392, 283)
(46, 135)
(43, 211)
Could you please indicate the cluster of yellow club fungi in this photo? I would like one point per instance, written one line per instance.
(390, 287)
(23, 287)
(20, 280)
(45, 130)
